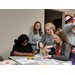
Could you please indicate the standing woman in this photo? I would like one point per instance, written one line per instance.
(35, 35)
(47, 41)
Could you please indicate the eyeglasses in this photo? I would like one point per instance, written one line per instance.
(49, 29)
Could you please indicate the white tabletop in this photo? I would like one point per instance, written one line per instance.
(39, 59)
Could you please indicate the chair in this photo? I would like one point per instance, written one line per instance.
(1, 58)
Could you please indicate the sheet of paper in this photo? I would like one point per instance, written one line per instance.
(24, 61)
(49, 50)
(66, 63)
(46, 59)
(51, 62)
(4, 63)
(43, 62)
(36, 56)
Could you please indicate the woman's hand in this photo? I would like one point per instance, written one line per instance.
(30, 54)
(35, 52)
(46, 47)
(41, 45)
(52, 31)
(46, 52)
(48, 56)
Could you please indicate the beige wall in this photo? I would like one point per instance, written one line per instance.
(14, 22)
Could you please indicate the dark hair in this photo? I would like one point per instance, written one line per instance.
(21, 39)
(67, 21)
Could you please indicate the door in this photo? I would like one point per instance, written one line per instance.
(58, 22)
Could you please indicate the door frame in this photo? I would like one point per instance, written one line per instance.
(63, 15)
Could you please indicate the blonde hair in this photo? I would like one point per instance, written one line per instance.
(51, 25)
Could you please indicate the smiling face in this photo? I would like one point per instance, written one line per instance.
(37, 26)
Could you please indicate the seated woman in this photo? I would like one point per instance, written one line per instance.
(22, 47)
(63, 46)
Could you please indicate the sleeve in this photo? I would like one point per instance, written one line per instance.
(30, 47)
(31, 38)
(54, 44)
(43, 39)
(65, 56)
(68, 27)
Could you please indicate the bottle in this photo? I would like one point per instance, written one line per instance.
(73, 56)
(38, 49)
(42, 51)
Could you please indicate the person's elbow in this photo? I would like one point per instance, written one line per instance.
(14, 53)
(66, 58)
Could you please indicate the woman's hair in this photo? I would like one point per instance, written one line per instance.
(60, 33)
(21, 39)
(34, 29)
(51, 25)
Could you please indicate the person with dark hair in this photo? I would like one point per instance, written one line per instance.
(22, 47)
(69, 29)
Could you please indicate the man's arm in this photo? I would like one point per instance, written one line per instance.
(68, 27)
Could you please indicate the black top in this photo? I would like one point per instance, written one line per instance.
(23, 49)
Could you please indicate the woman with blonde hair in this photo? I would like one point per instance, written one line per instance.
(35, 35)
(47, 42)
(63, 46)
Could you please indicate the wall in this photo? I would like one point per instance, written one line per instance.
(14, 22)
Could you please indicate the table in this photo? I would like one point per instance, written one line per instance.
(36, 59)
(7, 62)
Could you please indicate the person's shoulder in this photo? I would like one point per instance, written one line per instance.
(66, 44)
(15, 46)
(29, 44)
(64, 25)
(31, 33)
